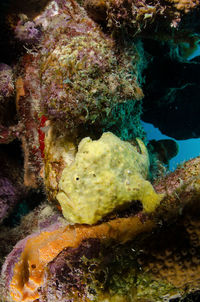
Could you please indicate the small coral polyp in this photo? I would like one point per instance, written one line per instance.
(106, 174)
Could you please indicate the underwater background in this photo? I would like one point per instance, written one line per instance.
(188, 149)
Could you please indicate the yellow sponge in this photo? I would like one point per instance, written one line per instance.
(106, 174)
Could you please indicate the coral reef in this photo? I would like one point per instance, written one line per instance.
(8, 196)
(7, 107)
(74, 74)
(59, 153)
(28, 272)
(38, 218)
(88, 54)
(6, 80)
(175, 259)
(11, 182)
(71, 82)
(28, 32)
(137, 15)
(124, 120)
(41, 255)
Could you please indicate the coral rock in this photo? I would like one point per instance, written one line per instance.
(37, 270)
(82, 72)
(6, 81)
(59, 153)
(75, 75)
(136, 16)
(11, 185)
(40, 249)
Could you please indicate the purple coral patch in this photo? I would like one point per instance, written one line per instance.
(8, 197)
(6, 81)
(13, 257)
(65, 274)
(28, 32)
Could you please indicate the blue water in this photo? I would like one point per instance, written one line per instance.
(187, 148)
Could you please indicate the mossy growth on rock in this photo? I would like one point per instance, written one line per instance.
(104, 273)
(124, 120)
(83, 73)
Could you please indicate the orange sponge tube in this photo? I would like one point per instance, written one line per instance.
(41, 249)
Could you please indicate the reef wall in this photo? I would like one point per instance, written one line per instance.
(88, 208)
